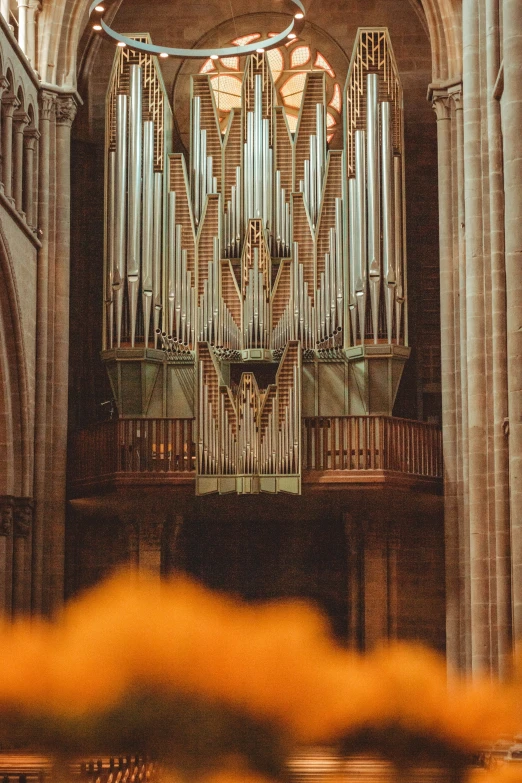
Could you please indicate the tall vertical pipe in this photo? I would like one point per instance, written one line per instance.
(171, 266)
(120, 208)
(388, 244)
(111, 259)
(134, 193)
(147, 237)
(360, 249)
(374, 223)
(157, 251)
(397, 213)
(196, 147)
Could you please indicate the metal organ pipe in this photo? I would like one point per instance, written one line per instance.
(388, 244)
(134, 193)
(397, 211)
(360, 249)
(147, 233)
(120, 209)
(157, 250)
(111, 269)
(171, 261)
(196, 141)
(373, 186)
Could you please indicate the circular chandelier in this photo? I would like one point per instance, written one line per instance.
(96, 18)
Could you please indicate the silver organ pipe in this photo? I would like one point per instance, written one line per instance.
(171, 263)
(360, 239)
(120, 210)
(399, 272)
(388, 240)
(352, 233)
(112, 271)
(373, 187)
(134, 193)
(147, 234)
(157, 251)
(196, 150)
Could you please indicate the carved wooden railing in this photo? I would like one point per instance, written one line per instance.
(132, 446)
(347, 443)
(343, 443)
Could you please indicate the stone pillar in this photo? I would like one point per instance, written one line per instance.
(31, 136)
(441, 105)
(393, 581)
(9, 103)
(512, 124)
(353, 534)
(32, 13)
(23, 7)
(6, 532)
(47, 104)
(4, 10)
(475, 343)
(375, 584)
(65, 113)
(463, 552)
(23, 514)
(4, 84)
(499, 345)
(20, 120)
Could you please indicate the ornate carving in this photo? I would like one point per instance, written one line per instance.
(6, 516)
(23, 518)
(11, 103)
(66, 108)
(47, 104)
(441, 103)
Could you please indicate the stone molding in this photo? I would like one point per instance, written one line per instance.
(66, 108)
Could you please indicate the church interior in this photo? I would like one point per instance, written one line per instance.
(261, 309)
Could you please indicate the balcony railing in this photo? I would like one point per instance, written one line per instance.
(343, 444)
(347, 443)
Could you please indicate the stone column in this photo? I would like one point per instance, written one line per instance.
(31, 136)
(512, 124)
(375, 584)
(441, 105)
(174, 559)
(65, 113)
(4, 10)
(463, 551)
(20, 120)
(6, 532)
(47, 104)
(32, 13)
(4, 84)
(353, 535)
(23, 514)
(475, 343)
(9, 102)
(23, 7)
(499, 345)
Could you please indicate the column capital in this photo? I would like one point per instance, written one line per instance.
(31, 134)
(441, 104)
(47, 104)
(23, 517)
(11, 103)
(455, 94)
(66, 108)
(21, 118)
(4, 84)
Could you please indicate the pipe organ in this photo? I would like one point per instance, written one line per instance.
(263, 249)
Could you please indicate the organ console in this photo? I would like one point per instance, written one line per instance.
(263, 247)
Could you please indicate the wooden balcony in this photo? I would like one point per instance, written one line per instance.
(336, 451)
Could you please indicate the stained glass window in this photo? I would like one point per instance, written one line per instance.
(299, 56)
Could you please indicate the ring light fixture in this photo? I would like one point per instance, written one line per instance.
(96, 18)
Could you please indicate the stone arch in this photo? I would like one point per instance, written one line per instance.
(15, 462)
(62, 22)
